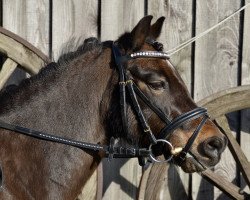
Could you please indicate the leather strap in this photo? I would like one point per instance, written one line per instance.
(139, 113)
(110, 151)
(182, 155)
(178, 121)
(122, 88)
(151, 105)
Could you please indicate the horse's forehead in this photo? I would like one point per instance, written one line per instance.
(161, 66)
(156, 63)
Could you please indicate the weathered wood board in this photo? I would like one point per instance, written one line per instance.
(121, 177)
(72, 22)
(217, 61)
(245, 79)
(29, 20)
(178, 20)
(216, 65)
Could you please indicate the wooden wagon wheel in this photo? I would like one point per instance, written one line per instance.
(218, 105)
(20, 53)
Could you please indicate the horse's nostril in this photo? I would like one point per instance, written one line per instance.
(214, 144)
(213, 147)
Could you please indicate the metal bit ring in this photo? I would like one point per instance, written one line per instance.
(161, 161)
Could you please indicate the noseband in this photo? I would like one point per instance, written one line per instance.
(128, 88)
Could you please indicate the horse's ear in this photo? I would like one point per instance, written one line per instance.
(155, 29)
(140, 32)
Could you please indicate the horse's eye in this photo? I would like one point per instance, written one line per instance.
(156, 85)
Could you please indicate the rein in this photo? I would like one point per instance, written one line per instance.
(110, 151)
(128, 87)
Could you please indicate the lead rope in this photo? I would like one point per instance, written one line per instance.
(193, 39)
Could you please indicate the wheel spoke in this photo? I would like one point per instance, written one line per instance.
(143, 183)
(236, 150)
(22, 52)
(227, 187)
(7, 69)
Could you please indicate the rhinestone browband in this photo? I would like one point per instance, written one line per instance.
(144, 54)
(155, 54)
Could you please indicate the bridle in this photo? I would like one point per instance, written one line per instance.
(128, 88)
(134, 91)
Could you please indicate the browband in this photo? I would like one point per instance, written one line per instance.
(142, 54)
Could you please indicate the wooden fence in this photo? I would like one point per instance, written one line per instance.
(218, 61)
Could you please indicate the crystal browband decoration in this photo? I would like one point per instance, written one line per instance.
(149, 54)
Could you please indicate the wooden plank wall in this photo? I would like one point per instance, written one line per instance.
(116, 18)
(219, 60)
(29, 20)
(216, 56)
(245, 79)
(178, 20)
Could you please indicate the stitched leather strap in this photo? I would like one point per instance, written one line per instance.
(178, 121)
(122, 88)
(139, 113)
(110, 151)
(182, 156)
(151, 105)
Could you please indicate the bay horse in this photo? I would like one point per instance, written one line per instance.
(124, 89)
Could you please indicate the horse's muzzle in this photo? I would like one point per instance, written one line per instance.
(213, 147)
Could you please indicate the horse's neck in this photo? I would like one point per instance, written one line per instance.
(69, 106)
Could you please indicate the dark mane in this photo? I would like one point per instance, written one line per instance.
(52, 70)
(89, 44)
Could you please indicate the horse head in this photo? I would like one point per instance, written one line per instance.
(177, 128)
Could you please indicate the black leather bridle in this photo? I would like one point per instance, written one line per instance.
(128, 87)
(134, 91)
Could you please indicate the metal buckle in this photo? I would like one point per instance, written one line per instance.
(151, 156)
